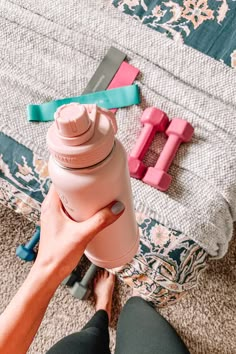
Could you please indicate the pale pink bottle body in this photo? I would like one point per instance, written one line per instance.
(84, 191)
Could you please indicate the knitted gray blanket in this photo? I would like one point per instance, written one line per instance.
(50, 50)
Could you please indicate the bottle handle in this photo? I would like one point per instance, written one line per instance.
(110, 115)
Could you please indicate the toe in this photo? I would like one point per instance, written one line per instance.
(112, 278)
(111, 275)
(97, 276)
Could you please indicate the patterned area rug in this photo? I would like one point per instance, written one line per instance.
(206, 25)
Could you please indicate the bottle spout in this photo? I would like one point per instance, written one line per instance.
(110, 115)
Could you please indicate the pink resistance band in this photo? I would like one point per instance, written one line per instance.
(125, 76)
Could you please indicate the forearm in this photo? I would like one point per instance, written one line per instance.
(21, 319)
(62, 243)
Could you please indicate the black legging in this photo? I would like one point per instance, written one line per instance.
(140, 330)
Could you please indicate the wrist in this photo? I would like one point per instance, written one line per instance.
(53, 272)
(45, 275)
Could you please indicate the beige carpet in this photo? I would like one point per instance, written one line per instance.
(206, 318)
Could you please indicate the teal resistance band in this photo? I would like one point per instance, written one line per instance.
(115, 98)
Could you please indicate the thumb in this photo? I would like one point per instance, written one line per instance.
(99, 221)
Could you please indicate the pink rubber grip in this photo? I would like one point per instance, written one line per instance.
(143, 142)
(167, 155)
(153, 120)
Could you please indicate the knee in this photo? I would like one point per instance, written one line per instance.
(134, 301)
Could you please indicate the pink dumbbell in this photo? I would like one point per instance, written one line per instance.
(154, 120)
(178, 131)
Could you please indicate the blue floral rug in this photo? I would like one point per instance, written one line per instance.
(206, 25)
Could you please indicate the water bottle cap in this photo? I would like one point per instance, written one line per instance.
(72, 120)
(82, 135)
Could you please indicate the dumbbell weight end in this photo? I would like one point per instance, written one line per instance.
(136, 167)
(79, 291)
(25, 254)
(158, 179)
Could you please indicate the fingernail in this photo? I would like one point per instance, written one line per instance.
(117, 208)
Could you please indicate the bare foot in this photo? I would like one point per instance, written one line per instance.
(103, 289)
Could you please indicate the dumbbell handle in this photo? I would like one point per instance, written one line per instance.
(168, 153)
(34, 239)
(88, 275)
(144, 140)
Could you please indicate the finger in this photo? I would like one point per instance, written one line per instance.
(103, 218)
(52, 201)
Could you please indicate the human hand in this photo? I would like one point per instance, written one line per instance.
(62, 240)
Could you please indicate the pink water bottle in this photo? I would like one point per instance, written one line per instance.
(88, 167)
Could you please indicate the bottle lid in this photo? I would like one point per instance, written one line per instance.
(72, 120)
(82, 135)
